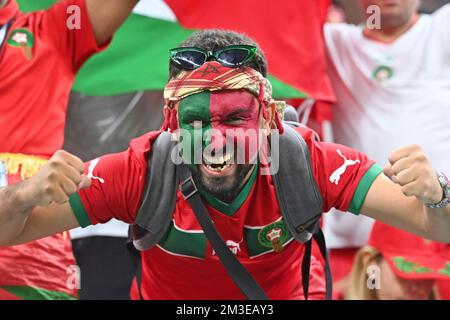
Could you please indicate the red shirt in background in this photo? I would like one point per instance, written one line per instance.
(38, 61)
(34, 89)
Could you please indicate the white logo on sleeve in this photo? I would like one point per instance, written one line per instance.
(91, 168)
(336, 175)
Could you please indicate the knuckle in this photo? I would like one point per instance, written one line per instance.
(55, 164)
(72, 189)
(48, 189)
(407, 191)
(396, 169)
(426, 186)
(52, 176)
(416, 147)
(60, 154)
(420, 156)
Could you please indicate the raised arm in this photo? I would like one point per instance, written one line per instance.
(38, 207)
(400, 201)
(107, 16)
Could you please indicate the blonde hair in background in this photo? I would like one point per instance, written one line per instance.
(357, 286)
(357, 282)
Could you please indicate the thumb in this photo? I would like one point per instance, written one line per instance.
(85, 182)
(387, 170)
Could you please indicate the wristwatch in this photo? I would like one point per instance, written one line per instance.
(445, 184)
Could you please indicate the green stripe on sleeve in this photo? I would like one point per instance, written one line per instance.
(363, 187)
(79, 211)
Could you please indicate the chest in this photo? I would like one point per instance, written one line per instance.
(256, 228)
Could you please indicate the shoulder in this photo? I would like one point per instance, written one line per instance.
(131, 162)
(140, 147)
(443, 14)
(309, 135)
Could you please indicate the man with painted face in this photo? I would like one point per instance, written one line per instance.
(216, 91)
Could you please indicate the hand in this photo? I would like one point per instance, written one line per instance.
(410, 168)
(60, 177)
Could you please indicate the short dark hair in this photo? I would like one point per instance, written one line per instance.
(215, 39)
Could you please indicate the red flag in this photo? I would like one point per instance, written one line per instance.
(290, 33)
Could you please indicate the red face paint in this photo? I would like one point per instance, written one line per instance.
(235, 122)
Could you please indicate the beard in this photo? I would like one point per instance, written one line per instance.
(225, 188)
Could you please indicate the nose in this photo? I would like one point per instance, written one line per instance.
(215, 141)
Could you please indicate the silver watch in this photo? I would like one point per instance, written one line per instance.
(445, 184)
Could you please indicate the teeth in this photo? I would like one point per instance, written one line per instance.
(217, 169)
(218, 159)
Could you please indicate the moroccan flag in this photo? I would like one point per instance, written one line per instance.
(289, 32)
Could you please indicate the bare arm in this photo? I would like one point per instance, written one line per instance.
(401, 205)
(38, 207)
(107, 16)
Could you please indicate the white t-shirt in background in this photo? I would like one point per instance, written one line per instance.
(388, 96)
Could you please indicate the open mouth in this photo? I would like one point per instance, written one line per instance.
(218, 164)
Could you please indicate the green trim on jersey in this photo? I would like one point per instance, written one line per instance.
(363, 187)
(79, 211)
(31, 293)
(184, 242)
(230, 208)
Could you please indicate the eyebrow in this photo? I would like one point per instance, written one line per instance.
(192, 113)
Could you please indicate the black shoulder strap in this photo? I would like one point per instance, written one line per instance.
(297, 191)
(240, 276)
(299, 197)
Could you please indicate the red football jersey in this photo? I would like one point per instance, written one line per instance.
(183, 264)
(39, 57)
(38, 62)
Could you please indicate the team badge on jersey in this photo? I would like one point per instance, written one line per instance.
(274, 236)
(382, 73)
(24, 39)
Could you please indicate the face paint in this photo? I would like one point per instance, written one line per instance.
(235, 115)
(194, 121)
(222, 126)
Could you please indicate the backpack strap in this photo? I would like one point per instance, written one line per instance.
(301, 210)
(237, 272)
(159, 197)
(292, 176)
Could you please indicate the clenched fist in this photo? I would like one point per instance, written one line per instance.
(409, 167)
(60, 177)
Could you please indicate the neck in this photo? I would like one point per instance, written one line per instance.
(390, 32)
(3, 3)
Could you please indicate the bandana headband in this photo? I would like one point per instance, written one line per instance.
(213, 76)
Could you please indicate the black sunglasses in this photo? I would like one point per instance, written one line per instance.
(190, 58)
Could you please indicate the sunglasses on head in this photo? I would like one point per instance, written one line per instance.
(190, 58)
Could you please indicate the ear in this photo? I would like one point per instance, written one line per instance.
(269, 117)
(368, 258)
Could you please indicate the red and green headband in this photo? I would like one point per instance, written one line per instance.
(213, 76)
